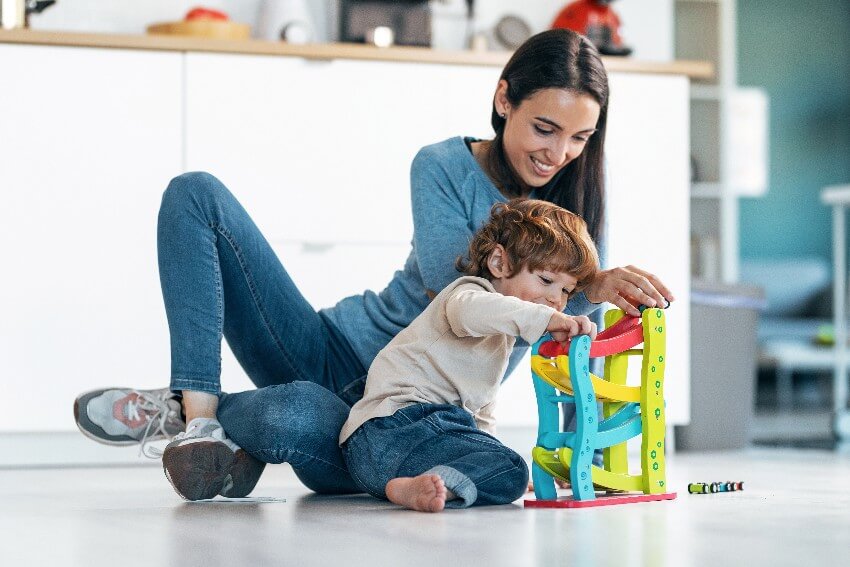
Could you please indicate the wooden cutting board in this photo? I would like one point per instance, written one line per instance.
(202, 28)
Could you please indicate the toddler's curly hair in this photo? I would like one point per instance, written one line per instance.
(537, 235)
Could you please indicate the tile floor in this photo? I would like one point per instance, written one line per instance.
(795, 510)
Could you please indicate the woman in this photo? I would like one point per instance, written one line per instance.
(220, 276)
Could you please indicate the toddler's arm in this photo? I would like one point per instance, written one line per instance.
(475, 312)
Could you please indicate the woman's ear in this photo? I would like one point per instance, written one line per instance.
(500, 100)
(497, 262)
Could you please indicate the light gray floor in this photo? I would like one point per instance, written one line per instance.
(795, 510)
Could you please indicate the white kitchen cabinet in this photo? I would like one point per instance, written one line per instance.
(648, 207)
(321, 151)
(88, 139)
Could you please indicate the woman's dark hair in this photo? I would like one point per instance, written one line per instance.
(560, 59)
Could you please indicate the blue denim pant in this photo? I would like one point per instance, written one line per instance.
(220, 277)
(438, 439)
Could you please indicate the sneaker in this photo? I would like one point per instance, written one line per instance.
(123, 416)
(202, 462)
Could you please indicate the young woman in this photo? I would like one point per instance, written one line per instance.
(220, 277)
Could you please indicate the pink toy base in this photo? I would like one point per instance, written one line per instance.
(604, 500)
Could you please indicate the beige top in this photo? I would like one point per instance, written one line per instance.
(455, 352)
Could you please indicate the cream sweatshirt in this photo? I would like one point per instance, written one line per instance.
(455, 352)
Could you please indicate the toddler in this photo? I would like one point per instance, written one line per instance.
(422, 435)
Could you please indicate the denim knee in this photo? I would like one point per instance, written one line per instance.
(519, 476)
(514, 481)
(297, 415)
(194, 187)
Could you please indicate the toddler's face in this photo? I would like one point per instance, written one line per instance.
(538, 286)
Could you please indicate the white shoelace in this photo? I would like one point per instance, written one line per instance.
(157, 412)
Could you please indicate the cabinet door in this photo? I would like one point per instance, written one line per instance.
(88, 140)
(321, 151)
(648, 206)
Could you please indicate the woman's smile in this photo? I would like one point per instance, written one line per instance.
(542, 169)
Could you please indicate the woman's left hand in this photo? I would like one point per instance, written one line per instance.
(627, 287)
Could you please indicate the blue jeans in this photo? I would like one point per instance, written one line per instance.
(220, 277)
(437, 439)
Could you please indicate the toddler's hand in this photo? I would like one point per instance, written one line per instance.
(563, 327)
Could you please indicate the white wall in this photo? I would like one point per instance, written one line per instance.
(647, 24)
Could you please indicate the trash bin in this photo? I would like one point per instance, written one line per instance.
(723, 366)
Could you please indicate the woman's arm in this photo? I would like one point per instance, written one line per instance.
(441, 225)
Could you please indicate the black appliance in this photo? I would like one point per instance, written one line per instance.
(410, 20)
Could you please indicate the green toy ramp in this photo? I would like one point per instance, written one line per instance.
(556, 463)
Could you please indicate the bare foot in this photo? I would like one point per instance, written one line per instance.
(425, 493)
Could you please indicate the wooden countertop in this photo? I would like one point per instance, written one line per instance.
(694, 69)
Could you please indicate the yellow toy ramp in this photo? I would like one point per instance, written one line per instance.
(556, 373)
(556, 463)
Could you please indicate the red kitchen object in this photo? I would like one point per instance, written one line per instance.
(596, 20)
(201, 13)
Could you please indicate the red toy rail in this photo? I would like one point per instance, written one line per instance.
(623, 335)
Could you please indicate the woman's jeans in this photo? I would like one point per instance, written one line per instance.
(441, 440)
(219, 277)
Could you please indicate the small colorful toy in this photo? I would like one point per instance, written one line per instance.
(714, 487)
(563, 378)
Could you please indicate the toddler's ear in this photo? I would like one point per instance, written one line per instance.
(497, 262)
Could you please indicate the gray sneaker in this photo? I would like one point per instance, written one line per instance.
(123, 416)
(202, 462)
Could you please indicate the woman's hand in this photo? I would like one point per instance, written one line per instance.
(627, 287)
(563, 327)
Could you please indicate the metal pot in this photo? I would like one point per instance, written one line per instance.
(15, 13)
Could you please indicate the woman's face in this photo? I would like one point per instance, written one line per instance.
(546, 131)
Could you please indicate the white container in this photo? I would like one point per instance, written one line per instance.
(285, 20)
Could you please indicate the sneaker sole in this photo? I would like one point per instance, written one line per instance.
(244, 475)
(197, 470)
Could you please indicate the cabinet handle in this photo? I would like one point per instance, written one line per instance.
(316, 247)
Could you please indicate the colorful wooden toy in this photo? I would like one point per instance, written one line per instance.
(562, 376)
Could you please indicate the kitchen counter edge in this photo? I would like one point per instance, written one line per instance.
(697, 70)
